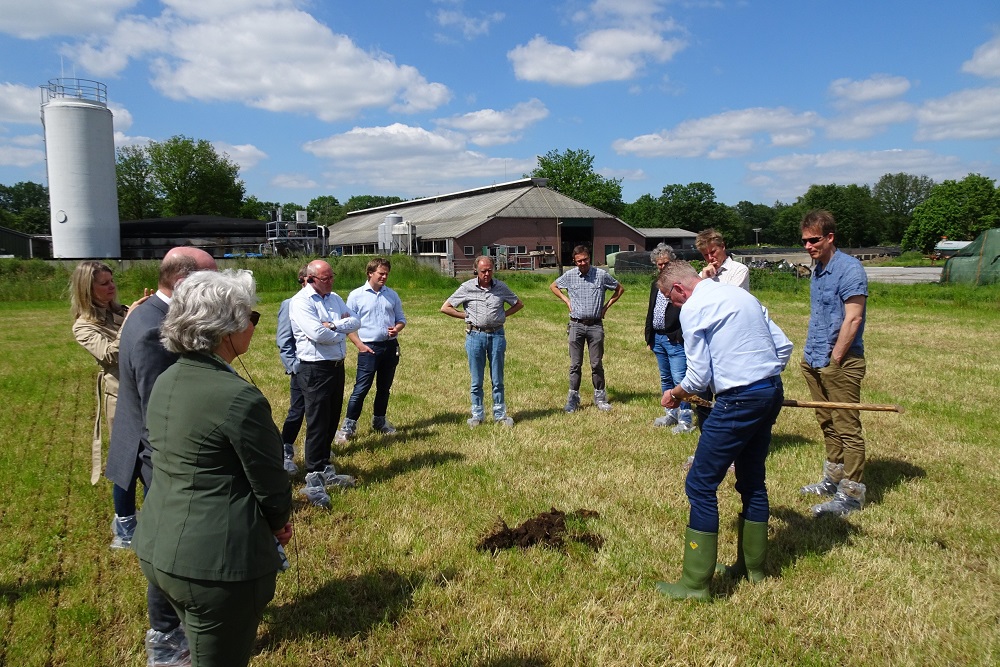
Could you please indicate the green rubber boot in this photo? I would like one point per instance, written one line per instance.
(751, 551)
(700, 553)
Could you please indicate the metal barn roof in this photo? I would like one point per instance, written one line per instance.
(456, 214)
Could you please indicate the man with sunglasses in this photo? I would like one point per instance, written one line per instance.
(320, 323)
(834, 362)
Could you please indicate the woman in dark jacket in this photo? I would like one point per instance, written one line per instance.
(220, 498)
(663, 337)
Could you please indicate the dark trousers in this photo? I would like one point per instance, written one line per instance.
(296, 411)
(737, 430)
(322, 385)
(220, 617)
(378, 366)
(593, 336)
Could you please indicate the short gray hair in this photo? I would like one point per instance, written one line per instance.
(662, 250)
(206, 307)
(675, 272)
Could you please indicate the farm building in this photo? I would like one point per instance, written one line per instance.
(522, 223)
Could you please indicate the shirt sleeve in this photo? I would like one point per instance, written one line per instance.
(397, 308)
(782, 345)
(303, 312)
(699, 358)
(95, 341)
(286, 340)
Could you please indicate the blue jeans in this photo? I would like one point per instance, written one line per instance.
(379, 367)
(480, 347)
(738, 429)
(672, 362)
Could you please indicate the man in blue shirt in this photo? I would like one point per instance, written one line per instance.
(734, 350)
(381, 313)
(585, 287)
(834, 362)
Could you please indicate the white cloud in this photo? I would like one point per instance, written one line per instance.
(722, 135)
(41, 18)
(19, 152)
(875, 88)
(985, 60)
(869, 121)
(633, 38)
(246, 156)
(294, 181)
(213, 9)
(488, 127)
(133, 37)
(470, 27)
(789, 176)
(20, 104)
(409, 160)
(967, 114)
(286, 61)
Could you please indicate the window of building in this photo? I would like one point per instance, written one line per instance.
(470, 251)
(631, 247)
(609, 248)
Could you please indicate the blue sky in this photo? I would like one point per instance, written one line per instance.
(314, 97)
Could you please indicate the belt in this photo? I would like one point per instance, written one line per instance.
(470, 327)
(325, 362)
(759, 384)
(585, 320)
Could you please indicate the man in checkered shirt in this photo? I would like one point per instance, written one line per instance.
(585, 286)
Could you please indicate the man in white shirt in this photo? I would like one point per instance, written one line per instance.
(736, 351)
(320, 323)
(720, 266)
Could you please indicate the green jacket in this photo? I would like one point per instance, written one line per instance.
(219, 490)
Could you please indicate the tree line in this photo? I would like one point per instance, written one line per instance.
(184, 176)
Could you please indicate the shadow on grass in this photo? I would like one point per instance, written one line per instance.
(779, 442)
(514, 660)
(343, 608)
(531, 415)
(11, 593)
(404, 465)
(883, 475)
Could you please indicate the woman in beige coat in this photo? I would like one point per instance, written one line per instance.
(97, 321)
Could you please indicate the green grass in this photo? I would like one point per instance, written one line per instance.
(390, 575)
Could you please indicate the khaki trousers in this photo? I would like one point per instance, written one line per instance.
(840, 383)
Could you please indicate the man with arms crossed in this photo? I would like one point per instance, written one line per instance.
(381, 314)
(483, 300)
(585, 287)
(141, 359)
(320, 323)
(834, 362)
(734, 350)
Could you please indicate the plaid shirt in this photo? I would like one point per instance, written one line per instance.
(586, 292)
(483, 307)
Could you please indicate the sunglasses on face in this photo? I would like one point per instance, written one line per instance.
(812, 240)
(254, 317)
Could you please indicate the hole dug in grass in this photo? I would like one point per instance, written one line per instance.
(551, 529)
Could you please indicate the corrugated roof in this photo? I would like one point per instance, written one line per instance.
(451, 216)
(666, 232)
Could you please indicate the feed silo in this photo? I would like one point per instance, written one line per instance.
(80, 162)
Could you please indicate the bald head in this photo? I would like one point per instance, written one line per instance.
(181, 262)
(320, 276)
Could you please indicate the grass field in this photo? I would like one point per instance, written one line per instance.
(390, 575)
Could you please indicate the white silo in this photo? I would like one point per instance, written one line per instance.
(80, 161)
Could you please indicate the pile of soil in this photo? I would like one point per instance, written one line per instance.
(548, 529)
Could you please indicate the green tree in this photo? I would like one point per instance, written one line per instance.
(137, 196)
(193, 179)
(572, 173)
(325, 210)
(786, 229)
(756, 216)
(643, 212)
(24, 207)
(361, 202)
(897, 195)
(693, 207)
(859, 221)
(959, 210)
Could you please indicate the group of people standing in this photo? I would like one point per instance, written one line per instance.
(216, 469)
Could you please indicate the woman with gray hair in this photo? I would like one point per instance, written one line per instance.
(663, 338)
(220, 496)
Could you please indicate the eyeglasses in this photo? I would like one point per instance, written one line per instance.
(672, 288)
(254, 317)
(812, 240)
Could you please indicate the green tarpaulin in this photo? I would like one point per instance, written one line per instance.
(977, 263)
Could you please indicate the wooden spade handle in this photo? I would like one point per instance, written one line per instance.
(792, 403)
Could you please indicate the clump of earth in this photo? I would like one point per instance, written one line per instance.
(547, 529)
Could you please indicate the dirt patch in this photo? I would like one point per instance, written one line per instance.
(547, 529)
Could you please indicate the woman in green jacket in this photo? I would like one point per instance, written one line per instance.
(220, 499)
